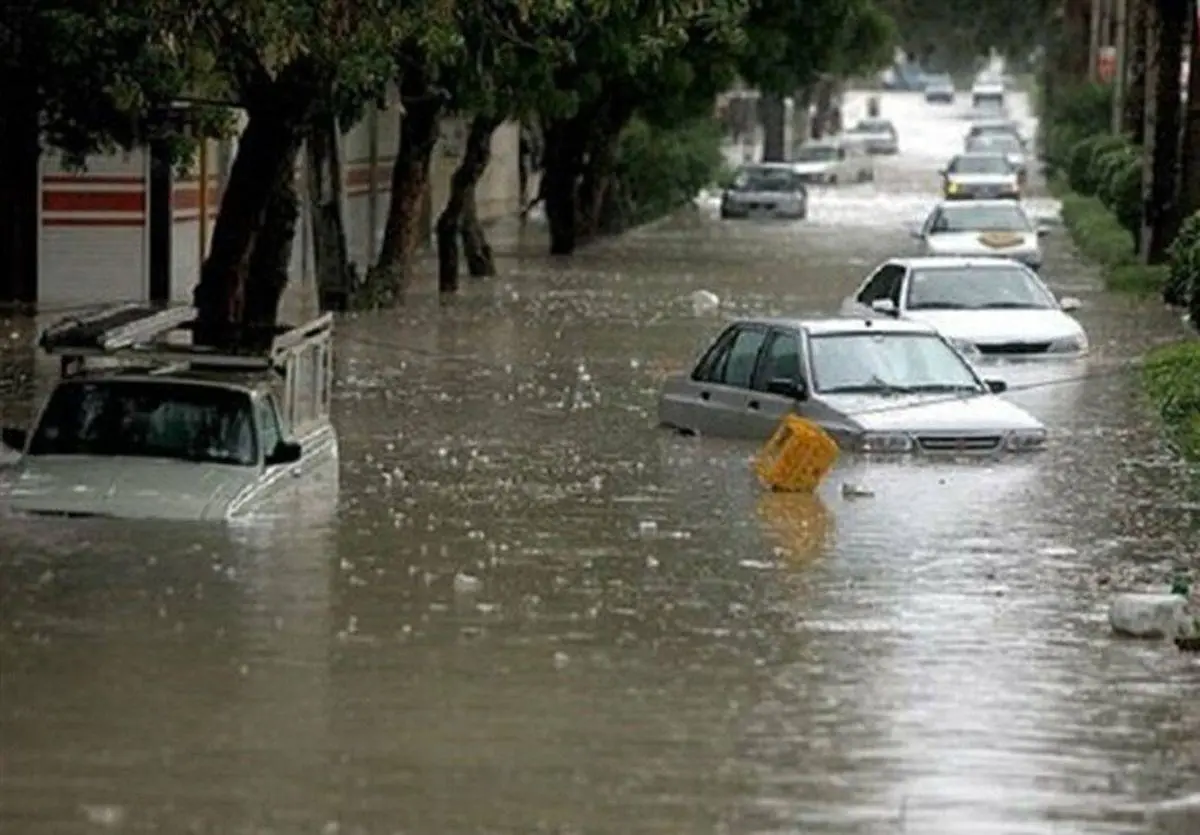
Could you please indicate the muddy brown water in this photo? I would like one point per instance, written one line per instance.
(653, 645)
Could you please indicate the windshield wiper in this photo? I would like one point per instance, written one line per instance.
(1009, 306)
(875, 386)
(944, 387)
(935, 306)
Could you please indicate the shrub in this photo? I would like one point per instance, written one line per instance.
(1121, 188)
(1184, 260)
(1096, 231)
(1171, 377)
(1137, 279)
(1075, 113)
(1085, 173)
(659, 169)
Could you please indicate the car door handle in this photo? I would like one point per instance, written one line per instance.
(704, 395)
(753, 404)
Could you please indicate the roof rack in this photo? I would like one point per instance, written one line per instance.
(165, 336)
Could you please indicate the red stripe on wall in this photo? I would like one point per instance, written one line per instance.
(96, 222)
(93, 201)
(81, 179)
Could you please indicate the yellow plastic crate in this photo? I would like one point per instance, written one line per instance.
(797, 458)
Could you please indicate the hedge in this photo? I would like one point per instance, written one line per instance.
(1171, 377)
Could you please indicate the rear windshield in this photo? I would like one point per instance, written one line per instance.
(767, 179)
(200, 423)
(816, 153)
(981, 164)
(874, 126)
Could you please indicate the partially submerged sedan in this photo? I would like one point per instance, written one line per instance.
(877, 136)
(876, 385)
(982, 229)
(981, 177)
(767, 189)
(989, 308)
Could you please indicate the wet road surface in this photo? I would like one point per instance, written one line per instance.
(638, 640)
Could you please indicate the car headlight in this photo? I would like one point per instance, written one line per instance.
(951, 187)
(885, 442)
(1024, 440)
(1069, 345)
(965, 347)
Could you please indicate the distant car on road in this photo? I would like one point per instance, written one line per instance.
(980, 177)
(989, 308)
(877, 136)
(832, 162)
(939, 89)
(1001, 143)
(988, 93)
(995, 127)
(877, 385)
(982, 229)
(770, 189)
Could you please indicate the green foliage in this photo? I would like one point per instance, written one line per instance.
(1136, 279)
(1183, 260)
(659, 169)
(951, 34)
(1096, 232)
(1084, 172)
(1078, 113)
(1171, 377)
(1119, 186)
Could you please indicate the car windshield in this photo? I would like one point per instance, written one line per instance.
(938, 81)
(188, 422)
(998, 287)
(816, 153)
(766, 179)
(979, 164)
(1003, 143)
(874, 126)
(990, 217)
(887, 363)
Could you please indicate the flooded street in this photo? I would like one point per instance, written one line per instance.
(531, 611)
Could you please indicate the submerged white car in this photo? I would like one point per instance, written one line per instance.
(877, 385)
(166, 430)
(981, 229)
(832, 162)
(989, 308)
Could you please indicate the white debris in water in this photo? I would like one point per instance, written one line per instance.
(466, 584)
(854, 491)
(757, 565)
(1058, 551)
(647, 527)
(1150, 615)
(561, 659)
(705, 303)
(651, 563)
(105, 815)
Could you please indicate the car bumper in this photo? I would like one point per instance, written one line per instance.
(984, 193)
(741, 211)
(939, 98)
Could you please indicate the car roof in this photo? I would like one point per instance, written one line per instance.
(981, 154)
(840, 324)
(248, 383)
(952, 262)
(767, 166)
(967, 204)
(981, 124)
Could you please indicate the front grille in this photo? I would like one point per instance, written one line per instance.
(754, 207)
(1014, 348)
(958, 443)
(65, 514)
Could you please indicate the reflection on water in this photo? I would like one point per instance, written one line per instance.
(645, 641)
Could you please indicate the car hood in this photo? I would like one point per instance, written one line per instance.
(999, 326)
(981, 243)
(980, 413)
(812, 167)
(125, 488)
(756, 196)
(983, 179)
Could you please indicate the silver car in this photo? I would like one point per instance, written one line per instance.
(995, 127)
(981, 228)
(1001, 143)
(939, 89)
(771, 189)
(876, 385)
(878, 136)
(980, 177)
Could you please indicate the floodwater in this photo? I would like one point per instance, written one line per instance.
(646, 642)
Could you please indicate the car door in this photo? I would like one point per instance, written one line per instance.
(781, 357)
(885, 283)
(721, 382)
(929, 228)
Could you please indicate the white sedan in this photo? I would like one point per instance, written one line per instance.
(989, 308)
(981, 228)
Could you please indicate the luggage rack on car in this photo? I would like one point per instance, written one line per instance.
(164, 340)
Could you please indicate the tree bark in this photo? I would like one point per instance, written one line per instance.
(598, 176)
(266, 158)
(773, 114)
(1133, 123)
(1169, 18)
(481, 261)
(562, 163)
(272, 255)
(1189, 189)
(410, 182)
(20, 178)
(452, 221)
(331, 252)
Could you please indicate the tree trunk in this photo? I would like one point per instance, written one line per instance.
(773, 114)
(481, 261)
(1162, 219)
(1189, 189)
(562, 163)
(272, 255)
(331, 252)
(20, 178)
(262, 175)
(452, 221)
(410, 182)
(1133, 122)
(598, 175)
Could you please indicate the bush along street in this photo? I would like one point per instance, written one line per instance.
(1130, 189)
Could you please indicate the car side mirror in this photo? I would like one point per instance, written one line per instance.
(787, 387)
(916, 233)
(996, 386)
(285, 452)
(14, 438)
(885, 306)
(1069, 303)
(1043, 231)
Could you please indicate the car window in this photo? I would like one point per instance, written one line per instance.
(967, 288)
(885, 284)
(268, 420)
(991, 216)
(841, 153)
(880, 362)
(979, 164)
(709, 369)
(738, 369)
(780, 359)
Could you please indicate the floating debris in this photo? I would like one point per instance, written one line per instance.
(856, 491)
(466, 584)
(705, 303)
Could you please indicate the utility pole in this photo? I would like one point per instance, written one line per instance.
(1093, 39)
(1121, 42)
